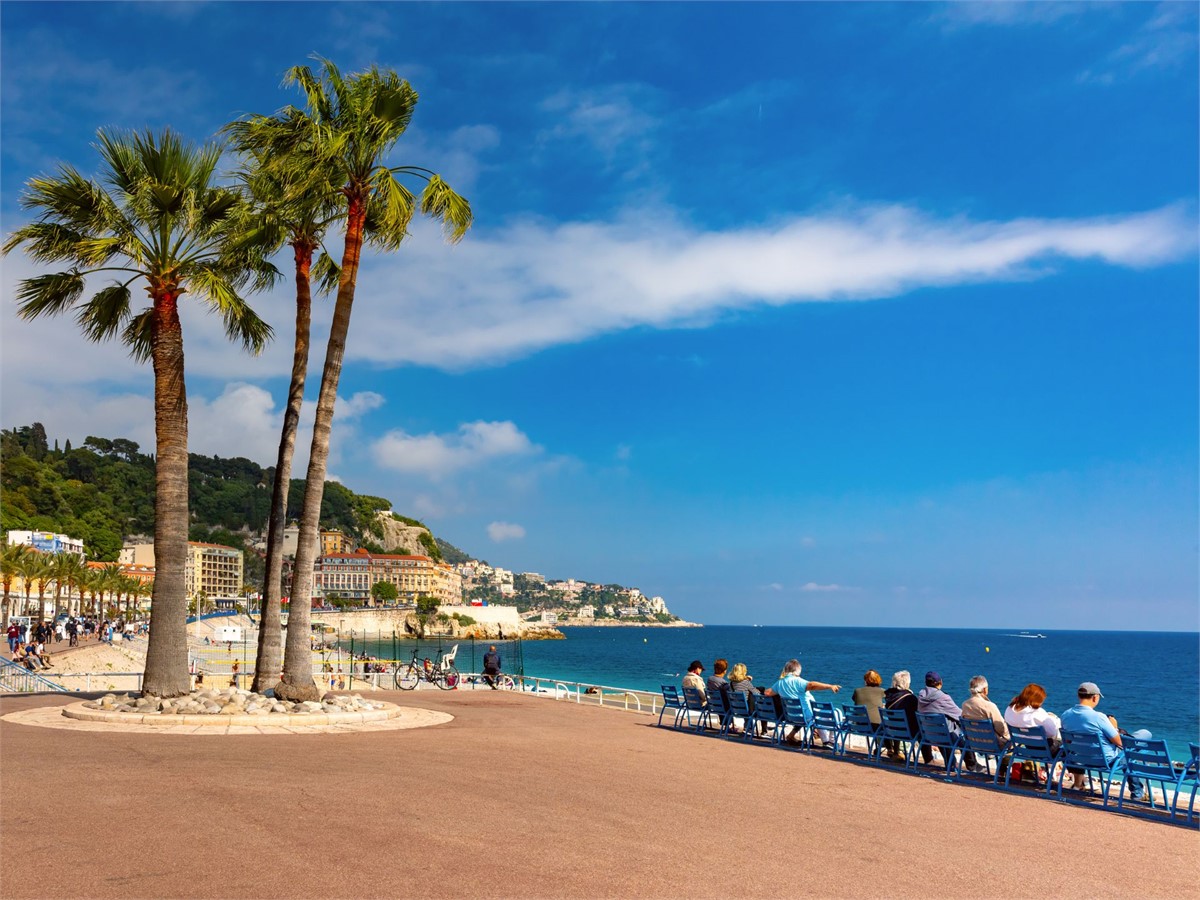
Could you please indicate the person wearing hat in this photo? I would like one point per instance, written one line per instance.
(1083, 718)
(933, 699)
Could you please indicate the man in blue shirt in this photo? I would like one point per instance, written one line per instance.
(1084, 719)
(792, 686)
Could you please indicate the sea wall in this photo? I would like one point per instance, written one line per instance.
(490, 622)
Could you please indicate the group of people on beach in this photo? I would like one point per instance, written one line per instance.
(1025, 710)
(28, 644)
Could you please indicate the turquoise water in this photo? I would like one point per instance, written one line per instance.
(1149, 679)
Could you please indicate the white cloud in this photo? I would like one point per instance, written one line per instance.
(1166, 41)
(826, 588)
(505, 531)
(998, 12)
(437, 455)
(612, 119)
(358, 405)
(536, 285)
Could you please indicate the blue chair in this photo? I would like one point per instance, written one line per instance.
(935, 732)
(979, 736)
(829, 720)
(1032, 746)
(766, 715)
(671, 700)
(1191, 776)
(718, 707)
(796, 714)
(1084, 751)
(856, 722)
(1150, 761)
(741, 706)
(694, 702)
(893, 726)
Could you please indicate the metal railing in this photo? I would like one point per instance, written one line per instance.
(16, 679)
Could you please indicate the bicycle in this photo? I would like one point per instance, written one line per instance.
(503, 682)
(443, 674)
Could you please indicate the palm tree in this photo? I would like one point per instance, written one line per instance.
(347, 130)
(66, 567)
(12, 558)
(40, 568)
(155, 215)
(293, 206)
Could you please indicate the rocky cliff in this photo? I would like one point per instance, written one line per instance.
(400, 538)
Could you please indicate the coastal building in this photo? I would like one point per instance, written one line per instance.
(46, 542)
(352, 575)
(214, 569)
(291, 540)
(334, 543)
(587, 612)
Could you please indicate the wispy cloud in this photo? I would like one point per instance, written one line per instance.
(996, 12)
(613, 120)
(438, 455)
(505, 531)
(1167, 41)
(536, 285)
(813, 587)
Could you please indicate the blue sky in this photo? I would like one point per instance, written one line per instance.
(791, 313)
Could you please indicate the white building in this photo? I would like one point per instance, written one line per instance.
(47, 542)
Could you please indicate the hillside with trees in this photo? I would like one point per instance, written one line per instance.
(102, 492)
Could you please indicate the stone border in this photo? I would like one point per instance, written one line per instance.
(77, 717)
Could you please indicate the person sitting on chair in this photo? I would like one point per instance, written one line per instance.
(491, 666)
(693, 680)
(1082, 718)
(933, 699)
(791, 686)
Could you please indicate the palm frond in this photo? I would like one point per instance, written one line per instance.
(326, 273)
(47, 242)
(49, 295)
(390, 211)
(242, 324)
(139, 335)
(105, 314)
(439, 200)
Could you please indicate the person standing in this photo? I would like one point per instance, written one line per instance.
(491, 666)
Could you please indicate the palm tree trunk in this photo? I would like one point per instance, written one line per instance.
(268, 663)
(166, 672)
(297, 682)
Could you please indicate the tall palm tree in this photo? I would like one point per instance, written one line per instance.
(347, 130)
(66, 567)
(12, 558)
(40, 568)
(155, 215)
(292, 205)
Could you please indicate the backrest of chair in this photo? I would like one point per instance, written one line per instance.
(934, 729)
(739, 704)
(694, 699)
(824, 716)
(795, 711)
(764, 708)
(1149, 759)
(894, 723)
(448, 658)
(717, 703)
(1030, 742)
(1192, 769)
(857, 719)
(981, 735)
(671, 696)
(1083, 750)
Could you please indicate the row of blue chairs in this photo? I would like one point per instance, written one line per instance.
(1147, 760)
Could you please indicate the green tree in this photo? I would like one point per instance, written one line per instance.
(384, 592)
(349, 126)
(12, 561)
(154, 215)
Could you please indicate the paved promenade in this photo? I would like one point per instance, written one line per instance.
(525, 797)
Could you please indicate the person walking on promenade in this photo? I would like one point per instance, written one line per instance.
(491, 666)
(14, 637)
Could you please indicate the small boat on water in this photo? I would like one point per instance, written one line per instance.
(1026, 634)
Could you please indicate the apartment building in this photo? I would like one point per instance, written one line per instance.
(215, 569)
(352, 575)
(335, 543)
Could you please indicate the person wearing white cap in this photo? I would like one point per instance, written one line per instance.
(1084, 719)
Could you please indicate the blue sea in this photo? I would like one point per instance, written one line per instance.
(1149, 679)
